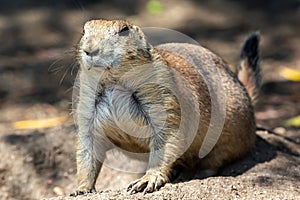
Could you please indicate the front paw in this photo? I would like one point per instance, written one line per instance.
(82, 192)
(150, 182)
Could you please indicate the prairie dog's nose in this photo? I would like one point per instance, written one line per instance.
(91, 52)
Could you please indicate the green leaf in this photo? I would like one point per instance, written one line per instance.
(154, 7)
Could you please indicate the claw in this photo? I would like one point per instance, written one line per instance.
(150, 182)
(132, 191)
(82, 192)
(130, 186)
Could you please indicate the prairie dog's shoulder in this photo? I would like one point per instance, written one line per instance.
(197, 55)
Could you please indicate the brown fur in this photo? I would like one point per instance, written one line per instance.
(156, 79)
(246, 76)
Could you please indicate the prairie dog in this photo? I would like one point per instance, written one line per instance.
(144, 99)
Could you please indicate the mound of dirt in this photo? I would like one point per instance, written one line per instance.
(270, 171)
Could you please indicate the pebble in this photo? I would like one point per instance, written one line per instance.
(233, 187)
(279, 130)
(58, 191)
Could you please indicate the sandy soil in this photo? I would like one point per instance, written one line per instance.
(37, 49)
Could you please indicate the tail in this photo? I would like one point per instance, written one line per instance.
(249, 70)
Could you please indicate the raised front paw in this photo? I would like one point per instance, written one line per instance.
(82, 191)
(150, 182)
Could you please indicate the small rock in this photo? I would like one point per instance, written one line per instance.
(279, 130)
(233, 187)
(66, 174)
(49, 181)
(71, 171)
(58, 191)
(28, 159)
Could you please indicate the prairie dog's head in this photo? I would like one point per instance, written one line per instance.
(107, 43)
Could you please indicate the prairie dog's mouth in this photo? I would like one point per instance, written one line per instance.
(96, 61)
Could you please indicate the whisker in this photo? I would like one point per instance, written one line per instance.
(69, 90)
(58, 67)
(79, 4)
(53, 67)
(74, 67)
(64, 75)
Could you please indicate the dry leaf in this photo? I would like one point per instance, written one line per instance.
(294, 121)
(40, 123)
(290, 74)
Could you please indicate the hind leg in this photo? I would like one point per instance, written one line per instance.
(229, 148)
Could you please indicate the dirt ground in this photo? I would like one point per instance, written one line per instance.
(37, 70)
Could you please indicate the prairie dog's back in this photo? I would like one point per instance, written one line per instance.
(211, 69)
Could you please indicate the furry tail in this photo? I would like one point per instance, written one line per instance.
(249, 70)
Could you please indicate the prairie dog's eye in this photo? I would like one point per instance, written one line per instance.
(124, 31)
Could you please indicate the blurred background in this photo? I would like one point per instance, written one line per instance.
(38, 67)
